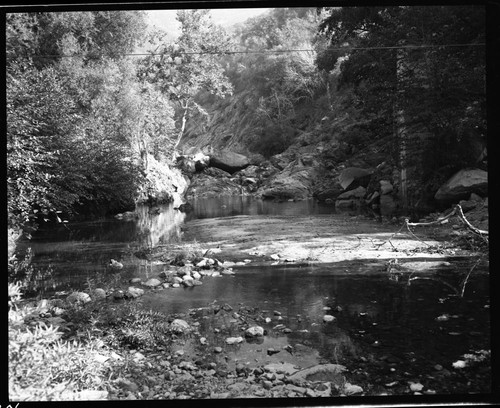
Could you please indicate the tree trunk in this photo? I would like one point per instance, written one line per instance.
(181, 132)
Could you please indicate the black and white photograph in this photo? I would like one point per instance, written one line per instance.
(248, 205)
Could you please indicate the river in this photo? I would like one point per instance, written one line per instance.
(400, 328)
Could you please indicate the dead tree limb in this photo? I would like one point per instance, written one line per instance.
(457, 210)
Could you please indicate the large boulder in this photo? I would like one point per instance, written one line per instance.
(229, 161)
(462, 184)
(294, 182)
(351, 199)
(352, 177)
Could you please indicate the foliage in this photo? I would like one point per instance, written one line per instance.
(191, 64)
(78, 119)
(438, 90)
(41, 364)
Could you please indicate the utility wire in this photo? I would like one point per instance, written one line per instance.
(277, 51)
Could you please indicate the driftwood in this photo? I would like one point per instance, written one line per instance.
(457, 210)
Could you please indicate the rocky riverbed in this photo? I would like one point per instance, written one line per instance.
(241, 350)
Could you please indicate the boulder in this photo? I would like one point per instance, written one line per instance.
(385, 187)
(462, 184)
(229, 161)
(328, 318)
(329, 193)
(294, 182)
(356, 194)
(352, 177)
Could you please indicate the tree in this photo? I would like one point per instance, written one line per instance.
(417, 75)
(191, 64)
(70, 119)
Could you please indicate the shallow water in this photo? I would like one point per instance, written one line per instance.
(385, 328)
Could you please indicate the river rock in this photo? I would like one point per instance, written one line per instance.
(179, 326)
(135, 280)
(78, 298)
(229, 161)
(462, 184)
(152, 283)
(234, 340)
(197, 282)
(98, 294)
(133, 292)
(254, 331)
(328, 318)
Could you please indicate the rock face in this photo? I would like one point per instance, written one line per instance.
(294, 182)
(462, 184)
(229, 161)
(213, 182)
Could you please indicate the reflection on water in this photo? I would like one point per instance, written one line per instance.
(79, 250)
(228, 206)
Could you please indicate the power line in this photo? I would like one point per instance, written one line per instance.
(277, 51)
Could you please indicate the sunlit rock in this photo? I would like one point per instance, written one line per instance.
(254, 331)
(78, 298)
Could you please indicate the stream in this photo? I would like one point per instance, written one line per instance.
(387, 331)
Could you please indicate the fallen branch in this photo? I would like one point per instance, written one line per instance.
(457, 210)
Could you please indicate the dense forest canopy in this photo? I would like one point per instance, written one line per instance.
(83, 115)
